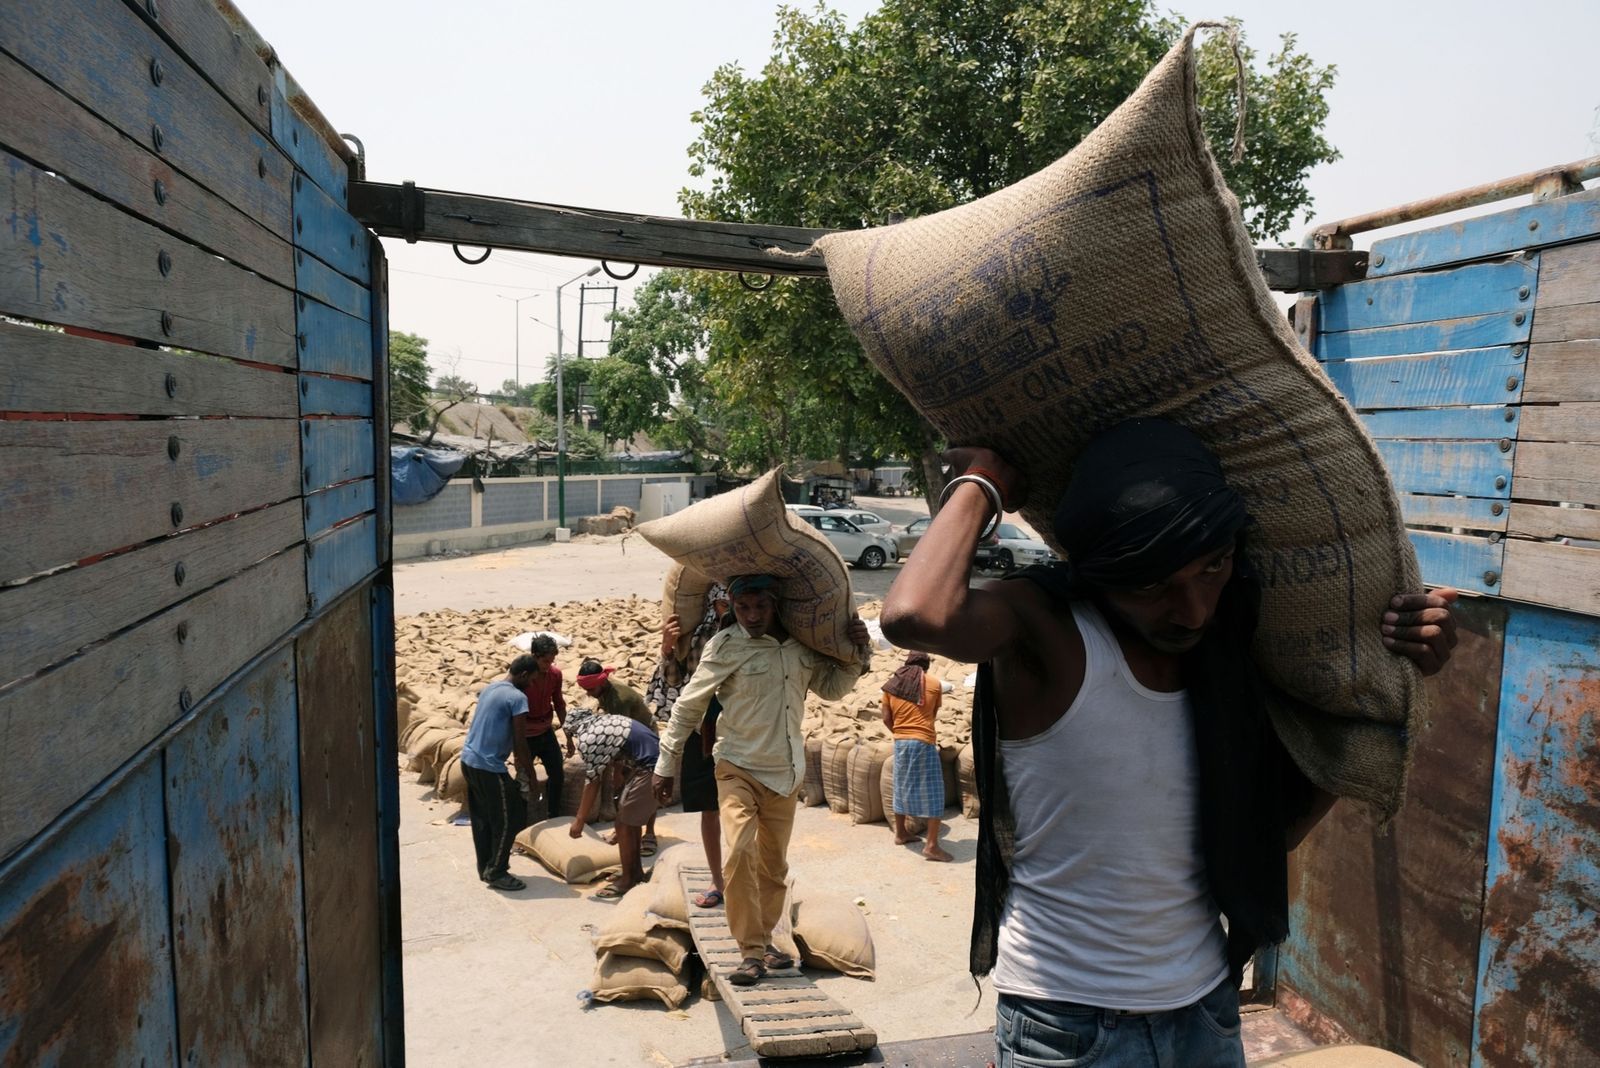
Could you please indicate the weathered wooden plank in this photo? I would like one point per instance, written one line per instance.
(324, 229)
(1552, 521)
(104, 705)
(380, 601)
(334, 396)
(379, 347)
(83, 488)
(1471, 513)
(339, 559)
(99, 55)
(45, 621)
(1549, 222)
(335, 450)
(336, 504)
(233, 836)
(84, 923)
(1537, 1002)
(1569, 274)
(72, 259)
(1470, 468)
(1464, 561)
(1559, 372)
(1449, 424)
(1476, 290)
(317, 280)
(48, 371)
(202, 33)
(1573, 322)
(303, 144)
(339, 835)
(332, 342)
(58, 134)
(1558, 471)
(1480, 376)
(1547, 572)
(1449, 335)
(1561, 422)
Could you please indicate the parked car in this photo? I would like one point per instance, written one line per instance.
(907, 539)
(870, 522)
(857, 546)
(1010, 546)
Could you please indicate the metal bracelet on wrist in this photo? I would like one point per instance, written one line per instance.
(989, 488)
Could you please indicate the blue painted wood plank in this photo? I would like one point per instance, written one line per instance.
(332, 342)
(1471, 513)
(1553, 221)
(1470, 468)
(1459, 560)
(339, 559)
(317, 280)
(1479, 376)
(87, 972)
(1536, 997)
(336, 504)
(334, 396)
(233, 824)
(384, 506)
(1480, 289)
(1448, 335)
(1454, 424)
(310, 153)
(326, 230)
(335, 450)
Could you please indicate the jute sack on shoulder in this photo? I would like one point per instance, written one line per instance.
(749, 532)
(684, 595)
(1119, 282)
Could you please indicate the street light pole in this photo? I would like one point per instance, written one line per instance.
(516, 327)
(561, 408)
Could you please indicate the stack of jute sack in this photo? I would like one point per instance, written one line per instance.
(645, 950)
(1119, 283)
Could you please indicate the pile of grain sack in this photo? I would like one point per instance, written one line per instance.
(443, 659)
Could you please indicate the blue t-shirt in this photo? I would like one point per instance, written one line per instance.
(489, 738)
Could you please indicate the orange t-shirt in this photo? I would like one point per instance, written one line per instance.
(912, 720)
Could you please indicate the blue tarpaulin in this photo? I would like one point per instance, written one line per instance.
(417, 475)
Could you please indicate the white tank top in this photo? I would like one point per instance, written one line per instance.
(1108, 903)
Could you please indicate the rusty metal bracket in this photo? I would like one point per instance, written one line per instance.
(1296, 270)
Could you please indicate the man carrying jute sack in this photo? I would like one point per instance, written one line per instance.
(761, 675)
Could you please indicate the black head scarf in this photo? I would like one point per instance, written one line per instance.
(1146, 499)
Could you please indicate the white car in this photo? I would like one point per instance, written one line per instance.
(1010, 546)
(870, 522)
(907, 539)
(857, 546)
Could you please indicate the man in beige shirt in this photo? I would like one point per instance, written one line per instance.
(760, 675)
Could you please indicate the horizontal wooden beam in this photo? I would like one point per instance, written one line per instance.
(418, 214)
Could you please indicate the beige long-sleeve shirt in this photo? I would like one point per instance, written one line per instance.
(762, 686)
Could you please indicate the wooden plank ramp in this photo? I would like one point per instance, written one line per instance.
(784, 1015)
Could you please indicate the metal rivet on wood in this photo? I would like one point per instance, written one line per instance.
(1377, 260)
(158, 73)
(185, 701)
(1520, 318)
(1500, 482)
(299, 224)
(174, 446)
(261, 95)
(1497, 508)
(157, 138)
(166, 323)
(1494, 537)
(1511, 415)
(1524, 293)
(1505, 444)
(300, 339)
(150, 6)
(1512, 383)
(306, 474)
(183, 632)
(172, 385)
(164, 262)
(261, 167)
(176, 512)
(305, 388)
(294, 135)
(1491, 578)
(160, 192)
(299, 182)
(179, 573)
(1518, 351)
(1533, 224)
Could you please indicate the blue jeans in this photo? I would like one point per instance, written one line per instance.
(1061, 1034)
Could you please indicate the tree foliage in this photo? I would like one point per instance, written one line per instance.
(408, 379)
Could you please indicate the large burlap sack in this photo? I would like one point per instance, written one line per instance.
(812, 791)
(966, 772)
(866, 767)
(749, 531)
(832, 933)
(576, 860)
(668, 904)
(1119, 282)
(618, 978)
(914, 824)
(836, 771)
(632, 931)
(684, 595)
(450, 782)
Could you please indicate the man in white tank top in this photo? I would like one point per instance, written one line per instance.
(1134, 783)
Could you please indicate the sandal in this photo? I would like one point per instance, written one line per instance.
(776, 960)
(507, 882)
(609, 892)
(749, 973)
(708, 899)
(647, 846)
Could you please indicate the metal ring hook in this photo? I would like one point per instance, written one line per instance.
(619, 277)
(473, 263)
(753, 287)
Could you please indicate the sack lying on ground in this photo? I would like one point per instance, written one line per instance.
(618, 978)
(576, 860)
(1119, 282)
(866, 766)
(836, 772)
(832, 933)
(749, 531)
(812, 791)
(633, 932)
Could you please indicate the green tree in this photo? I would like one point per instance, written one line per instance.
(455, 385)
(924, 105)
(520, 395)
(408, 379)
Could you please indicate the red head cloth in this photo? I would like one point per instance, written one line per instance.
(591, 683)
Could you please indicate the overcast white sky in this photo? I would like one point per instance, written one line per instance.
(589, 104)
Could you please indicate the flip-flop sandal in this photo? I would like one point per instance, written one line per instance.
(609, 892)
(749, 973)
(647, 846)
(776, 961)
(709, 899)
(507, 882)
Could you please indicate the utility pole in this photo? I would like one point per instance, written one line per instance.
(561, 409)
(516, 326)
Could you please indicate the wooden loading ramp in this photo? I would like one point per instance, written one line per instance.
(784, 1015)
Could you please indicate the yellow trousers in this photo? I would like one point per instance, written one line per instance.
(756, 825)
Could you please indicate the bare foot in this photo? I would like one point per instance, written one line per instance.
(933, 852)
(906, 839)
